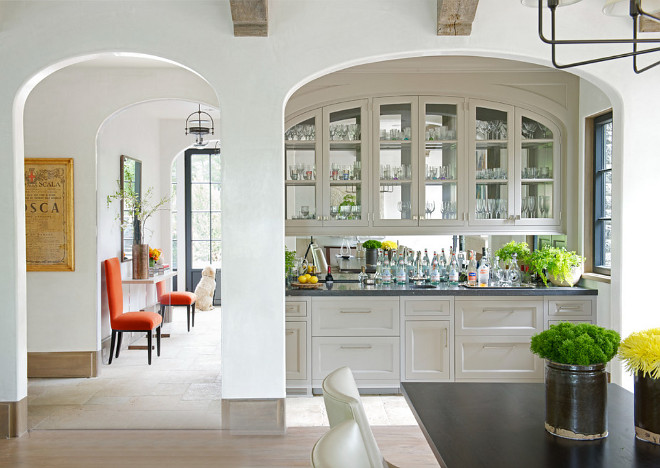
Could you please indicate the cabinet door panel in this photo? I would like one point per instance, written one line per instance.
(428, 350)
(568, 307)
(296, 309)
(496, 357)
(360, 316)
(498, 317)
(370, 358)
(296, 350)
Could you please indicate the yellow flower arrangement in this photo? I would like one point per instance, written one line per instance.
(641, 353)
(154, 254)
(388, 245)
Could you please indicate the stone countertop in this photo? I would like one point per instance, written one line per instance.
(354, 289)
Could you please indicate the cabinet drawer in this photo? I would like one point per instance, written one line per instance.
(496, 357)
(370, 358)
(425, 307)
(569, 307)
(495, 316)
(296, 350)
(295, 309)
(360, 316)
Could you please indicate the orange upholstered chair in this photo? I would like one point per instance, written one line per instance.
(176, 298)
(121, 321)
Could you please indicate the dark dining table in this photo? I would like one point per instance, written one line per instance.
(502, 425)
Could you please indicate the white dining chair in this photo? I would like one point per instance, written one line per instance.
(342, 402)
(341, 447)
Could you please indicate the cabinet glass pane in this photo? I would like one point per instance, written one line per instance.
(300, 161)
(395, 185)
(536, 200)
(491, 124)
(533, 130)
(440, 122)
(491, 201)
(440, 201)
(440, 180)
(300, 202)
(345, 201)
(395, 122)
(304, 131)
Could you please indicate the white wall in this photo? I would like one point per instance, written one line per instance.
(253, 78)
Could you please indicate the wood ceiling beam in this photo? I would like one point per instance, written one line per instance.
(250, 17)
(455, 17)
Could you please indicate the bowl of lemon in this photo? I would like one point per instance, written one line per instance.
(306, 281)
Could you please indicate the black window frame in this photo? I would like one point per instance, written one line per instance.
(599, 218)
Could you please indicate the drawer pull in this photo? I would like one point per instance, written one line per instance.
(446, 338)
(356, 347)
(289, 332)
(291, 308)
(511, 346)
(508, 312)
(560, 308)
(355, 311)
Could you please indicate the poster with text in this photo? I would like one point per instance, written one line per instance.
(49, 214)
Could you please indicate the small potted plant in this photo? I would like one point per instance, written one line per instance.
(388, 247)
(371, 247)
(560, 266)
(575, 378)
(641, 354)
(521, 249)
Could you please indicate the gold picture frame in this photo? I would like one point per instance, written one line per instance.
(49, 222)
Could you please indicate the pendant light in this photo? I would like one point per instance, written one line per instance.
(200, 123)
(633, 8)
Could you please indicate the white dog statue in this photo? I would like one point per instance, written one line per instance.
(205, 289)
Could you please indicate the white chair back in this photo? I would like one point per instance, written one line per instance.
(342, 403)
(341, 447)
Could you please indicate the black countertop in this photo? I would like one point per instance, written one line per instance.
(354, 289)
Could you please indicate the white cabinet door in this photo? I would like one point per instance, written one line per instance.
(504, 358)
(296, 309)
(355, 316)
(428, 350)
(296, 350)
(372, 359)
(498, 316)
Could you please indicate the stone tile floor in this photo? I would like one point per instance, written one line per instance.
(180, 390)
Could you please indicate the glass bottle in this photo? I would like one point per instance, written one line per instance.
(444, 271)
(362, 277)
(410, 264)
(426, 264)
(378, 276)
(483, 273)
(453, 271)
(401, 273)
(496, 272)
(513, 272)
(387, 271)
(435, 272)
(472, 270)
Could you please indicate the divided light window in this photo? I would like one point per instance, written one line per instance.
(602, 229)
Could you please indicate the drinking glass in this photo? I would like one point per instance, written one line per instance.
(430, 208)
(531, 206)
(304, 211)
(334, 210)
(502, 208)
(492, 205)
(544, 205)
(523, 208)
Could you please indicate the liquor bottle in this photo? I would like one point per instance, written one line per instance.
(453, 271)
(426, 264)
(496, 272)
(513, 273)
(362, 277)
(401, 274)
(410, 264)
(483, 274)
(378, 276)
(328, 277)
(435, 272)
(443, 267)
(387, 272)
(472, 270)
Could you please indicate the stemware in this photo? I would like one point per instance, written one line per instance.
(502, 208)
(531, 206)
(491, 208)
(304, 211)
(544, 205)
(430, 208)
(529, 128)
(523, 208)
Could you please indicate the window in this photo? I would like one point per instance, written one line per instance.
(173, 215)
(602, 195)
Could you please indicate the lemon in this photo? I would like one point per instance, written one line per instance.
(302, 279)
(307, 276)
(313, 280)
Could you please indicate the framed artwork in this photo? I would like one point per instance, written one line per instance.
(49, 225)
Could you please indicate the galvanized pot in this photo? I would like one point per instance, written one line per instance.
(576, 401)
(647, 409)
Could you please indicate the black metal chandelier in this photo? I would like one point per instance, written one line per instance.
(614, 8)
(200, 123)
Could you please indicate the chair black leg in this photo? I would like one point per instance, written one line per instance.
(149, 343)
(119, 335)
(158, 339)
(188, 315)
(112, 346)
(193, 312)
(162, 311)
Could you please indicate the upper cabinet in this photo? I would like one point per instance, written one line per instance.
(429, 163)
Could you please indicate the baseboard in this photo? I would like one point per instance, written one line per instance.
(254, 416)
(63, 364)
(13, 418)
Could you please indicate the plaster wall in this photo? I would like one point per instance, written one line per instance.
(253, 78)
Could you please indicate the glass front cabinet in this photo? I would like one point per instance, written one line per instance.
(422, 161)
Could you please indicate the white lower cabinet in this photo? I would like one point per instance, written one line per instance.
(296, 350)
(427, 350)
(496, 358)
(575, 309)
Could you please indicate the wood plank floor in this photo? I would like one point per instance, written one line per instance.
(404, 446)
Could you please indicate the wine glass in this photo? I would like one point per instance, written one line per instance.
(430, 208)
(531, 205)
(523, 208)
(544, 202)
(529, 128)
(492, 208)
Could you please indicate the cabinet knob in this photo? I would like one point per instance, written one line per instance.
(415, 217)
(318, 218)
(422, 217)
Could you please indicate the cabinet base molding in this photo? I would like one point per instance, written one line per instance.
(64, 364)
(254, 416)
(13, 418)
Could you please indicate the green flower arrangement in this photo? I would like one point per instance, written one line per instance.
(372, 244)
(521, 249)
(555, 261)
(641, 353)
(580, 344)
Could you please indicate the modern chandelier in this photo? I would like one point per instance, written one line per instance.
(200, 123)
(633, 8)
